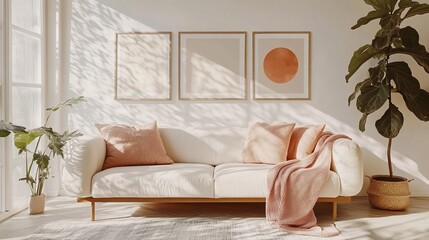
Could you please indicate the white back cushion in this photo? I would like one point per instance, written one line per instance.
(184, 147)
(209, 145)
(228, 142)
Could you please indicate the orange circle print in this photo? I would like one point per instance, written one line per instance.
(280, 65)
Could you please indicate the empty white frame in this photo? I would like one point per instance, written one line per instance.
(143, 66)
(212, 66)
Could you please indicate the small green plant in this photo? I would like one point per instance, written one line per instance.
(37, 160)
(387, 77)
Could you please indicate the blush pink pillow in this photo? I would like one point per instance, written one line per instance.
(131, 146)
(304, 140)
(267, 143)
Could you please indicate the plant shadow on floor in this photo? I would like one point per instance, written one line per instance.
(358, 220)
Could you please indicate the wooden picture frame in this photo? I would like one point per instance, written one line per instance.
(281, 65)
(212, 66)
(143, 66)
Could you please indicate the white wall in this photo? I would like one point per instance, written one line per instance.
(92, 61)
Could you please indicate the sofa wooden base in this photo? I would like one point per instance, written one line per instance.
(92, 200)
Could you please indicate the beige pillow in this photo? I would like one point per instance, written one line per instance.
(267, 143)
(131, 146)
(304, 140)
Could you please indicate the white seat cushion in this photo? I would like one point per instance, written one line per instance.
(243, 180)
(157, 181)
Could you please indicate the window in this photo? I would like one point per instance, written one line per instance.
(23, 88)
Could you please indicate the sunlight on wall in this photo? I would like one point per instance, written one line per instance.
(92, 63)
(142, 66)
(223, 81)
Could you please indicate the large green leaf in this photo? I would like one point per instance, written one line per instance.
(390, 123)
(362, 122)
(419, 105)
(387, 34)
(419, 9)
(68, 102)
(49, 132)
(392, 5)
(58, 141)
(4, 133)
(360, 56)
(390, 22)
(42, 160)
(379, 4)
(23, 139)
(406, 84)
(358, 86)
(55, 142)
(419, 54)
(372, 98)
(381, 42)
(371, 16)
(377, 73)
(404, 4)
(6, 128)
(399, 12)
(56, 145)
(410, 37)
(407, 3)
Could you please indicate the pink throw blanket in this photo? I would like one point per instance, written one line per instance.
(294, 187)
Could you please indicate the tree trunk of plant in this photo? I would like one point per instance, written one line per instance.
(389, 157)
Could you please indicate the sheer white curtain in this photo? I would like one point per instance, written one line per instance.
(22, 98)
(2, 150)
(25, 80)
(29, 51)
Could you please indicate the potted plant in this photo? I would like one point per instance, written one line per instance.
(48, 144)
(385, 79)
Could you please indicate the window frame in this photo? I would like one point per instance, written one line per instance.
(8, 207)
(2, 110)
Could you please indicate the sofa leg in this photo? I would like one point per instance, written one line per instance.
(334, 211)
(92, 211)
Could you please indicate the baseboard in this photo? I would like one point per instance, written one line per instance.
(10, 213)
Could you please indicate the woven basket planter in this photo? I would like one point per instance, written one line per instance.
(37, 204)
(389, 194)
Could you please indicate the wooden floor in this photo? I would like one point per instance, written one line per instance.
(356, 220)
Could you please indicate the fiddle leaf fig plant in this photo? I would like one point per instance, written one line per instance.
(389, 77)
(38, 156)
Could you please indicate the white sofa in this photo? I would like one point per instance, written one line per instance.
(206, 168)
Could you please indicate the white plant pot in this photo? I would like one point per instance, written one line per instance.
(37, 204)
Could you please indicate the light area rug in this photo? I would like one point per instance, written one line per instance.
(165, 228)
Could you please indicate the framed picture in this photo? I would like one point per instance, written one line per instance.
(281, 65)
(143, 63)
(212, 66)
